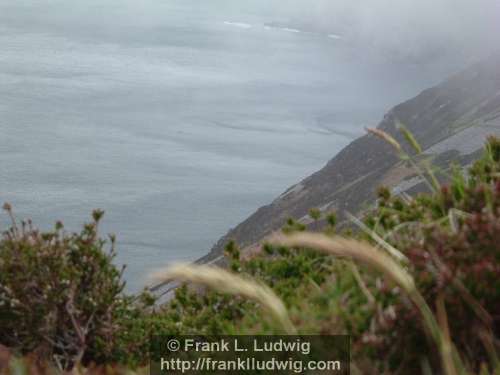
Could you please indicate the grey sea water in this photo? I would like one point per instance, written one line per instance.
(178, 118)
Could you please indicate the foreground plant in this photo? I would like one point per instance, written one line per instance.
(365, 253)
(226, 282)
(61, 297)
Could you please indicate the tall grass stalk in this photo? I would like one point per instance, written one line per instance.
(357, 276)
(226, 282)
(385, 137)
(395, 253)
(365, 253)
(410, 138)
(442, 318)
(433, 184)
(412, 141)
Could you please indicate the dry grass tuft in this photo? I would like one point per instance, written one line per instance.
(366, 253)
(349, 248)
(226, 282)
(385, 136)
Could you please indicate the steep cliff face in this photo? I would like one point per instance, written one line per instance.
(450, 121)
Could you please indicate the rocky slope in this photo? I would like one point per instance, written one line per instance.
(450, 121)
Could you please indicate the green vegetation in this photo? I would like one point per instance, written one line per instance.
(417, 287)
(61, 297)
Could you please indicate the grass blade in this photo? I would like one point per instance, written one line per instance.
(226, 282)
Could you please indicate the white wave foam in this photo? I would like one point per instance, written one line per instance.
(282, 28)
(334, 36)
(290, 30)
(241, 25)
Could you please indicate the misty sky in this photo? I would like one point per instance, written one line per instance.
(408, 26)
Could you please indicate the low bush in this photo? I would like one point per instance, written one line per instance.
(61, 297)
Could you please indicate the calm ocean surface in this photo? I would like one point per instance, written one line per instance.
(178, 118)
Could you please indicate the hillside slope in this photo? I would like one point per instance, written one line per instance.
(450, 121)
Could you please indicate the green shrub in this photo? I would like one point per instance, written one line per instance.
(61, 297)
(452, 239)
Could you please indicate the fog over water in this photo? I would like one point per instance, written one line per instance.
(180, 118)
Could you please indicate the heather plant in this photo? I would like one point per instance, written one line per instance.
(61, 297)
(452, 241)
